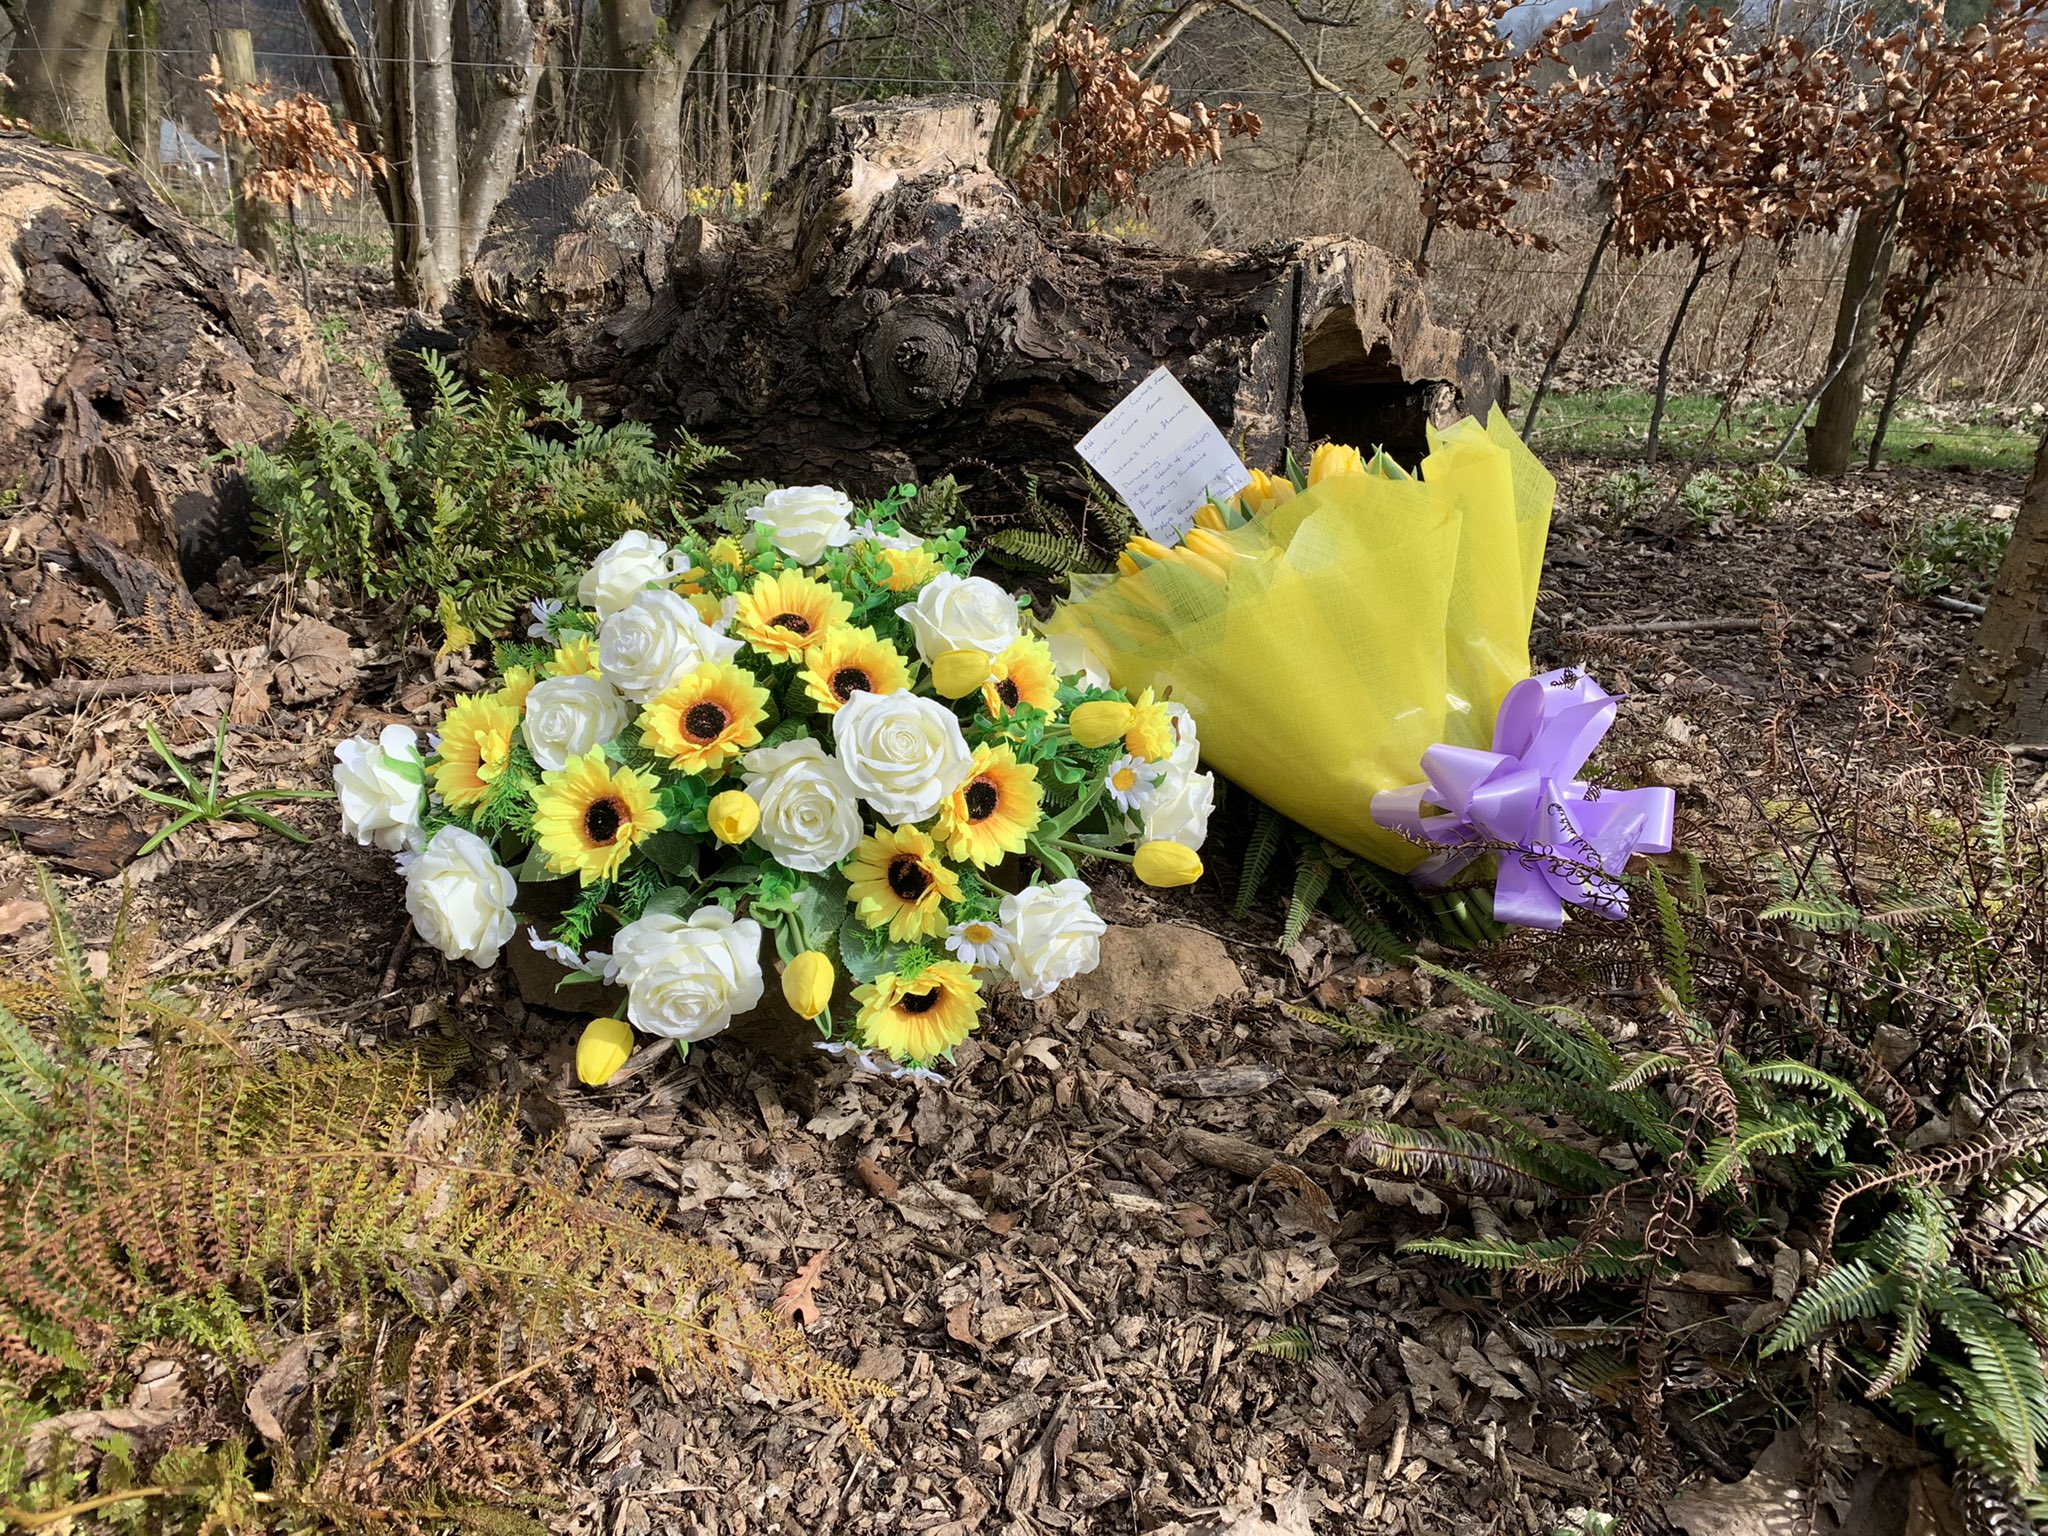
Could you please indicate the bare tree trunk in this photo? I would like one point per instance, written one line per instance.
(1699, 273)
(414, 269)
(436, 149)
(358, 88)
(2002, 691)
(139, 100)
(59, 68)
(1923, 306)
(781, 91)
(1570, 326)
(721, 106)
(655, 56)
(1833, 433)
(523, 29)
(254, 231)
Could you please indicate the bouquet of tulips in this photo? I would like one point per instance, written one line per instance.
(1353, 641)
(816, 730)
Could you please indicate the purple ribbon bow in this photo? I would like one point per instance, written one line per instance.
(1561, 843)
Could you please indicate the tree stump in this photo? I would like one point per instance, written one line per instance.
(133, 348)
(898, 312)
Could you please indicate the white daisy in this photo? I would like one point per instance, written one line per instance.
(555, 950)
(982, 944)
(1131, 782)
(543, 610)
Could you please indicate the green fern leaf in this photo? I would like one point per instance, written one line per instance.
(1311, 879)
(1258, 857)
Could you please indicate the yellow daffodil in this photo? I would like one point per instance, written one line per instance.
(784, 615)
(807, 984)
(895, 878)
(909, 569)
(1166, 865)
(588, 817)
(1334, 459)
(576, 656)
(1150, 732)
(1099, 722)
(1022, 675)
(733, 816)
(852, 660)
(921, 1017)
(958, 673)
(705, 718)
(518, 684)
(476, 744)
(605, 1046)
(994, 812)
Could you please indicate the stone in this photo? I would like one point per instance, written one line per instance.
(1159, 968)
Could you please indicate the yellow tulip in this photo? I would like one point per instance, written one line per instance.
(807, 983)
(1194, 562)
(733, 816)
(1148, 549)
(1099, 722)
(1211, 546)
(1209, 515)
(1126, 566)
(1334, 459)
(1166, 864)
(1265, 493)
(605, 1045)
(958, 673)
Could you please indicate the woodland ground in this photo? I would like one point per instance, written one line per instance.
(1043, 1260)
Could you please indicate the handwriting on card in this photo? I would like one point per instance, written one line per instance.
(1162, 454)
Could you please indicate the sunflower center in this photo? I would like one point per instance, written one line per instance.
(981, 800)
(848, 681)
(1006, 690)
(601, 820)
(795, 623)
(907, 876)
(920, 1002)
(703, 721)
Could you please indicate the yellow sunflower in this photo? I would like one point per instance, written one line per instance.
(909, 568)
(706, 718)
(852, 660)
(1022, 674)
(1150, 733)
(588, 817)
(785, 615)
(476, 744)
(994, 812)
(917, 1018)
(576, 656)
(895, 877)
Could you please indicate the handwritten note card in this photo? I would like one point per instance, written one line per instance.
(1162, 454)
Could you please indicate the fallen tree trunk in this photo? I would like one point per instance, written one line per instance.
(899, 313)
(133, 348)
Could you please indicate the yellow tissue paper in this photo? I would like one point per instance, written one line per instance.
(1324, 645)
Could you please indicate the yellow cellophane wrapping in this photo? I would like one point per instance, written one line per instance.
(1355, 626)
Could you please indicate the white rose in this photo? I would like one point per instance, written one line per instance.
(804, 521)
(1179, 811)
(686, 978)
(460, 897)
(961, 613)
(380, 785)
(635, 562)
(904, 754)
(569, 716)
(1071, 654)
(655, 639)
(1187, 745)
(868, 533)
(1055, 935)
(810, 818)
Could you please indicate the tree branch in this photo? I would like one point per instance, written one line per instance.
(1317, 78)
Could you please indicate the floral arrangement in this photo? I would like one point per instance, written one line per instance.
(809, 730)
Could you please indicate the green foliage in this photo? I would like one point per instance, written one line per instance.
(1711, 498)
(455, 1285)
(1955, 551)
(1296, 1344)
(202, 803)
(1625, 493)
(487, 501)
(1049, 554)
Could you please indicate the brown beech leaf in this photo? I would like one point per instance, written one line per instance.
(799, 1298)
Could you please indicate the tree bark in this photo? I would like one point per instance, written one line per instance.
(139, 97)
(2002, 691)
(1699, 274)
(1923, 305)
(59, 68)
(254, 230)
(1832, 437)
(654, 57)
(522, 31)
(898, 312)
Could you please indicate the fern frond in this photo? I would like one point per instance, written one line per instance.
(1258, 857)
(1466, 1161)
(1048, 554)
(1311, 879)
(1286, 1344)
(1551, 1260)
(1852, 1290)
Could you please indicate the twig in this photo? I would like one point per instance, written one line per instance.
(1309, 67)
(85, 690)
(1956, 604)
(465, 1405)
(399, 950)
(1678, 627)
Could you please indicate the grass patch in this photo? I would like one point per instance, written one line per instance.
(1611, 423)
